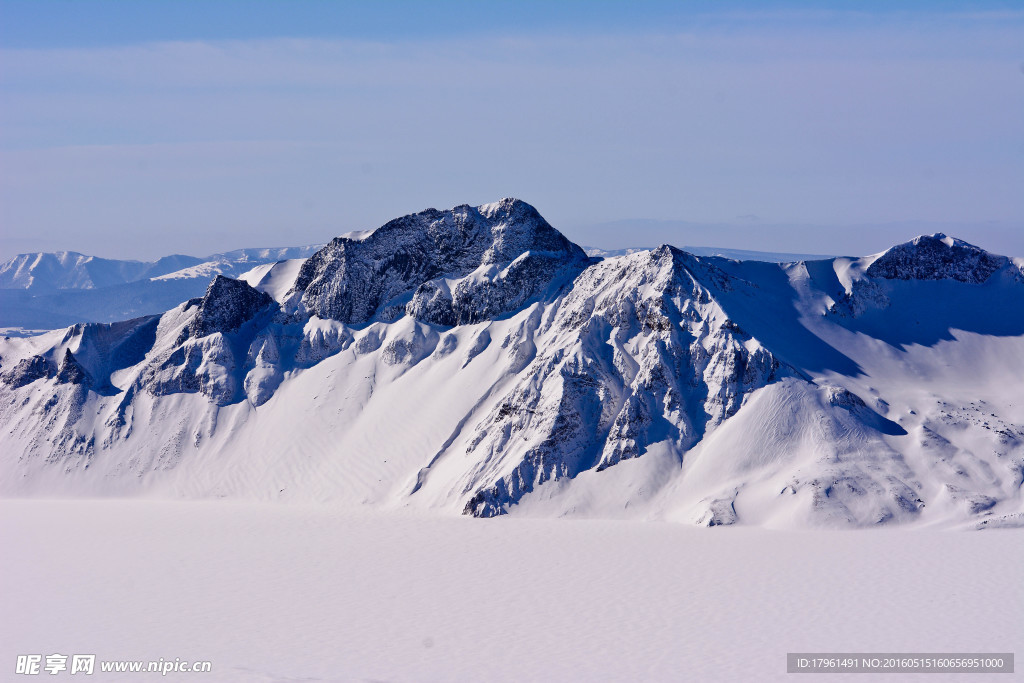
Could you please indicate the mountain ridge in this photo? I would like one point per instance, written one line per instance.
(74, 270)
(661, 383)
(52, 290)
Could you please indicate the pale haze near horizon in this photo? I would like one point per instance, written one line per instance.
(813, 132)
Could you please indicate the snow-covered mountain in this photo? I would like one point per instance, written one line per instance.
(474, 360)
(724, 252)
(49, 290)
(49, 272)
(62, 270)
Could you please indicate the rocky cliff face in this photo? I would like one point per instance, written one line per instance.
(936, 257)
(72, 372)
(204, 357)
(443, 267)
(637, 352)
(926, 259)
(27, 371)
(225, 307)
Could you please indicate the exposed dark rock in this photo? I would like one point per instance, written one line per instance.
(201, 363)
(936, 257)
(207, 367)
(28, 370)
(71, 372)
(225, 307)
(598, 400)
(458, 266)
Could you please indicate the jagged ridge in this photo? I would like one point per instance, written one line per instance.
(677, 368)
(445, 267)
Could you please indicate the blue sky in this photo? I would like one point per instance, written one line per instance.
(80, 23)
(135, 129)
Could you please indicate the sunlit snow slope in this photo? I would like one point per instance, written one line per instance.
(474, 360)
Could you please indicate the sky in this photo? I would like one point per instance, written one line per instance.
(135, 130)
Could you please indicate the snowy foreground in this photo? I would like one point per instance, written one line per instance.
(319, 593)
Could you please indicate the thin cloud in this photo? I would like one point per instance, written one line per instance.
(812, 124)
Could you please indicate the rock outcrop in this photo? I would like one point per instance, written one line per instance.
(936, 257)
(444, 267)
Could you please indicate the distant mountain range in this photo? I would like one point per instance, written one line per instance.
(476, 361)
(734, 254)
(50, 290)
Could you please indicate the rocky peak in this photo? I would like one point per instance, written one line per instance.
(936, 257)
(644, 353)
(422, 257)
(225, 307)
(28, 370)
(515, 228)
(72, 372)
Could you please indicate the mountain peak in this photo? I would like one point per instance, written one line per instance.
(507, 206)
(227, 304)
(446, 267)
(936, 257)
(933, 240)
(71, 371)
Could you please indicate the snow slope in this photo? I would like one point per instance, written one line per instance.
(276, 279)
(317, 593)
(474, 361)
